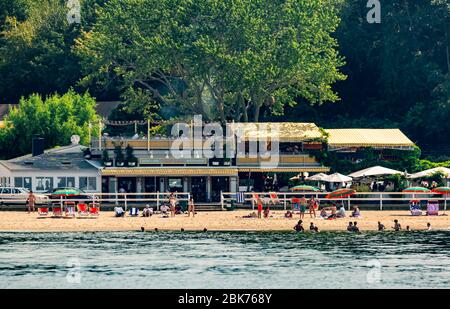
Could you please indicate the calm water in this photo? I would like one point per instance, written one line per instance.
(224, 260)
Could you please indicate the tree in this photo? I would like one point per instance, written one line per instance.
(56, 119)
(216, 57)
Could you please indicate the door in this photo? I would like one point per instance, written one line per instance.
(198, 189)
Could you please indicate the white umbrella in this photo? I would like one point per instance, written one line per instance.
(336, 177)
(317, 177)
(374, 171)
(444, 170)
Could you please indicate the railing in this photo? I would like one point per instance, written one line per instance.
(285, 198)
(104, 199)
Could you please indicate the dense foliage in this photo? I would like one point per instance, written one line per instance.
(55, 118)
(242, 60)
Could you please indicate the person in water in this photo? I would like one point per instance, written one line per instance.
(355, 227)
(381, 226)
(428, 226)
(350, 227)
(299, 227)
(313, 228)
(397, 227)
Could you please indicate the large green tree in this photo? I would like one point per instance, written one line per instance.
(55, 118)
(224, 59)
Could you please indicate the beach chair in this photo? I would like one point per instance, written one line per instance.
(82, 210)
(134, 212)
(43, 212)
(57, 212)
(94, 210)
(415, 209)
(274, 198)
(295, 201)
(433, 208)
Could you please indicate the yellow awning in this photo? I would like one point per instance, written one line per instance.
(368, 138)
(285, 131)
(169, 172)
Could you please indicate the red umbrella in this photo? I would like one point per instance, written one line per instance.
(341, 193)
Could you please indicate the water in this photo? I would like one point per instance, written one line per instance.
(225, 260)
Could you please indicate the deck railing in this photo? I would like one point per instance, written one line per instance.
(284, 199)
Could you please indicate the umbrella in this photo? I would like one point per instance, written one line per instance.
(443, 170)
(317, 177)
(305, 188)
(442, 190)
(341, 193)
(65, 192)
(336, 177)
(374, 171)
(416, 190)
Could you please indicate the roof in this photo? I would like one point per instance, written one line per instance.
(285, 131)
(368, 138)
(49, 162)
(444, 170)
(164, 171)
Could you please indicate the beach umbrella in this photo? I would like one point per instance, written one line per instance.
(316, 177)
(341, 193)
(374, 171)
(336, 177)
(416, 190)
(65, 192)
(443, 170)
(442, 190)
(304, 188)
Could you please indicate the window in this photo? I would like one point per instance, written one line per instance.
(23, 182)
(4, 181)
(66, 182)
(88, 183)
(44, 183)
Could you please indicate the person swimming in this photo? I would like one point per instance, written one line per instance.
(313, 228)
(299, 227)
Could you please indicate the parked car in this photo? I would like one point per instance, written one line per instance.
(73, 194)
(19, 196)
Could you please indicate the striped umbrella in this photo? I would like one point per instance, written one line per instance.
(416, 190)
(304, 188)
(442, 190)
(341, 193)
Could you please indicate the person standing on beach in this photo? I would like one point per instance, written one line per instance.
(31, 201)
(172, 202)
(312, 207)
(303, 203)
(260, 207)
(191, 207)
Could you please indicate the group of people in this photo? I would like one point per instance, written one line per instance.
(300, 229)
(173, 208)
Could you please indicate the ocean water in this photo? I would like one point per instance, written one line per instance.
(225, 260)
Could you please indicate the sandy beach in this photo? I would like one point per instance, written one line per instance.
(213, 221)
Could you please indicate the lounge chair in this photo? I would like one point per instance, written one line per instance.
(134, 212)
(57, 212)
(94, 210)
(274, 198)
(415, 209)
(82, 210)
(43, 212)
(433, 208)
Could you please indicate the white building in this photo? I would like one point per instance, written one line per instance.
(55, 168)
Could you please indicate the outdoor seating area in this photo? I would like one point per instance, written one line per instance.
(70, 210)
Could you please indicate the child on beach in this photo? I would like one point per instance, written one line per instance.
(381, 226)
(350, 227)
(355, 227)
(313, 228)
(299, 227)
(428, 226)
(356, 212)
(266, 212)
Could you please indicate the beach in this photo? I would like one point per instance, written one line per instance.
(213, 221)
